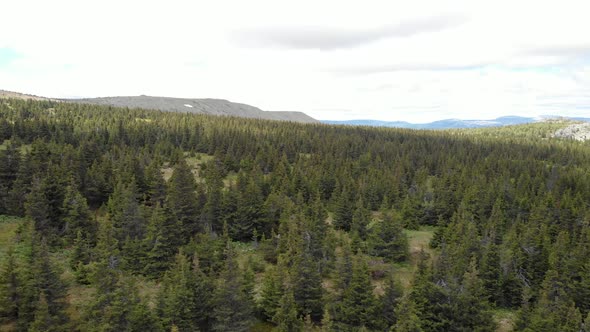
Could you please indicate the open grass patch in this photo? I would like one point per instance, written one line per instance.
(25, 148)
(505, 319)
(8, 227)
(418, 240)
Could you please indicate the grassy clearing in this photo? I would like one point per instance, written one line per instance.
(25, 148)
(417, 240)
(8, 227)
(505, 320)
(193, 162)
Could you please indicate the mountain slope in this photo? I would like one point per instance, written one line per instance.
(198, 106)
(167, 104)
(12, 94)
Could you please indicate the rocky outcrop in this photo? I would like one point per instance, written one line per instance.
(576, 131)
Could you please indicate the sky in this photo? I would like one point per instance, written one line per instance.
(416, 61)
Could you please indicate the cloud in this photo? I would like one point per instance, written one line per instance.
(378, 69)
(334, 38)
(418, 61)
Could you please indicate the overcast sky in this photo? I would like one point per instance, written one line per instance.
(389, 60)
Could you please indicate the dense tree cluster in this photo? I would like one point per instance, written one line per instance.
(239, 222)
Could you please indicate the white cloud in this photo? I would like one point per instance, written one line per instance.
(420, 61)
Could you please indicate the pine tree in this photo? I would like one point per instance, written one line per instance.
(176, 297)
(407, 319)
(572, 322)
(472, 309)
(286, 317)
(9, 289)
(126, 312)
(156, 185)
(358, 304)
(250, 210)
(37, 208)
(343, 271)
(9, 165)
(52, 289)
(43, 321)
(212, 218)
(160, 242)
(182, 201)
(327, 324)
(388, 240)
(307, 284)
(80, 258)
(390, 300)
(76, 217)
(231, 310)
(271, 292)
(125, 214)
(104, 276)
(22, 185)
(491, 273)
(343, 210)
(360, 220)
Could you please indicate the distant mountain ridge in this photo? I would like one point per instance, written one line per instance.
(219, 107)
(454, 123)
(198, 106)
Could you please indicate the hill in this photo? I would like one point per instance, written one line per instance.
(452, 123)
(189, 105)
(12, 94)
(197, 106)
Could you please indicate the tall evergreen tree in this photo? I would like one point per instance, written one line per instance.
(160, 242)
(182, 199)
(76, 216)
(231, 310)
(358, 304)
(286, 317)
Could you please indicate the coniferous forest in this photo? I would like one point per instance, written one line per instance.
(133, 220)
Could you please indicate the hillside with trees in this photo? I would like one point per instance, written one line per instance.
(116, 219)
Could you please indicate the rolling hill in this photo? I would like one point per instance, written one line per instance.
(218, 107)
(451, 123)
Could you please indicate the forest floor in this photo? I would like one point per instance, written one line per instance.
(8, 227)
(418, 240)
(505, 320)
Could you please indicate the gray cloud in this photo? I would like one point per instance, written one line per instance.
(325, 38)
(562, 51)
(376, 69)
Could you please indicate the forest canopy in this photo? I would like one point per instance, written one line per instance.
(117, 219)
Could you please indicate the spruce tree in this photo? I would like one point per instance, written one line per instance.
(472, 310)
(76, 217)
(160, 242)
(390, 300)
(50, 287)
(286, 317)
(43, 321)
(271, 292)
(407, 319)
(231, 310)
(176, 299)
(9, 288)
(307, 284)
(388, 240)
(37, 208)
(358, 303)
(182, 201)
